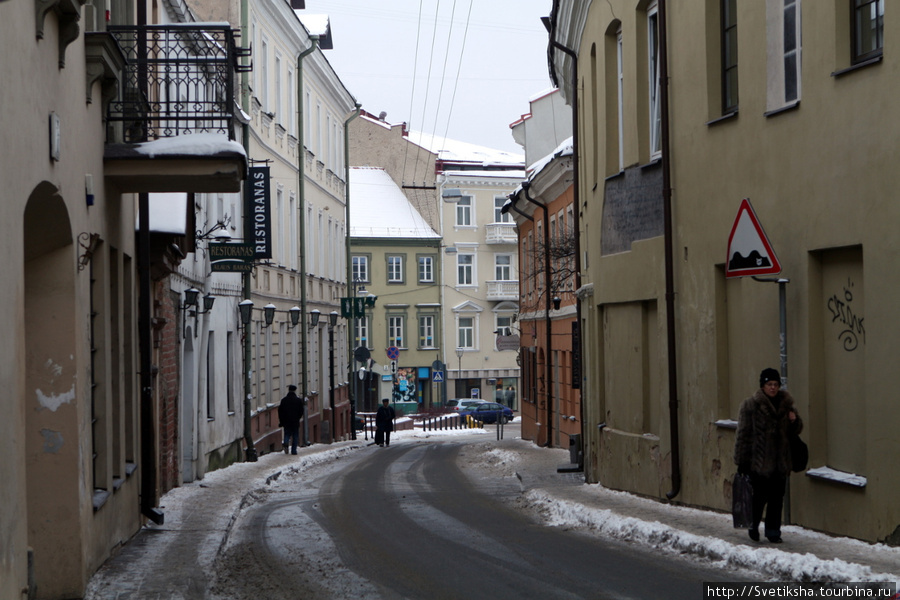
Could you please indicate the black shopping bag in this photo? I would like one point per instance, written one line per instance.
(742, 501)
(799, 453)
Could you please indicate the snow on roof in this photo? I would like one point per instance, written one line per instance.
(378, 208)
(195, 144)
(315, 24)
(508, 174)
(542, 93)
(566, 148)
(454, 150)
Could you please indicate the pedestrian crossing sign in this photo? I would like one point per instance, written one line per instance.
(437, 377)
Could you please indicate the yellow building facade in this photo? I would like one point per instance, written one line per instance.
(787, 104)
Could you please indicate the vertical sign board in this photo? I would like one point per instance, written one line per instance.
(258, 213)
(749, 250)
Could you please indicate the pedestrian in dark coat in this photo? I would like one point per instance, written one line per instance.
(762, 449)
(384, 423)
(290, 411)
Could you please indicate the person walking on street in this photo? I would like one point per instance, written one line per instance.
(290, 410)
(384, 423)
(762, 449)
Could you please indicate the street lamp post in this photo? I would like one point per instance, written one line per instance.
(332, 321)
(459, 353)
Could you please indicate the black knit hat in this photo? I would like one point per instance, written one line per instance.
(292, 388)
(767, 375)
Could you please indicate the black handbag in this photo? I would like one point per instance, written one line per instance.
(742, 501)
(799, 453)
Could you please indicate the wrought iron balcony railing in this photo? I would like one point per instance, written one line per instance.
(179, 79)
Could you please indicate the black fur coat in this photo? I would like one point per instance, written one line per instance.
(761, 445)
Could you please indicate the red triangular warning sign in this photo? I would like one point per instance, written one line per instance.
(749, 251)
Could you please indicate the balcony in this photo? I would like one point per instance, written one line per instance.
(178, 79)
(498, 291)
(501, 233)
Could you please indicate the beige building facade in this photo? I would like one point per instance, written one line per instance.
(80, 433)
(780, 103)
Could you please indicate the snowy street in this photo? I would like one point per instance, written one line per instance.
(270, 528)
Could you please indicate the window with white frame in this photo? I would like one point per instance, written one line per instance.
(292, 108)
(278, 91)
(466, 333)
(263, 93)
(783, 48)
(395, 330)
(294, 223)
(426, 331)
(465, 269)
(503, 267)
(361, 269)
(503, 324)
(653, 71)
(499, 216)
(395, 269)
(307, 120)
(361, 335)
(426, 269)
(464, 212)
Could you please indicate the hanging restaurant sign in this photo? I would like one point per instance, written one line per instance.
(231, 258)
(258, 213)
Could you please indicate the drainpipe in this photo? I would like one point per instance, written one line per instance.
(250, 454)
(350, 330)
(548, 360)
(148, 422)
(669, 241)
(301, 186)
(576, 200)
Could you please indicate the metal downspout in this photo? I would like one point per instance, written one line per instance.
(148, 423)
(351, 387)
(669, 242)
(548, 359)
(301, 187)
(576, 214)
(250, 454)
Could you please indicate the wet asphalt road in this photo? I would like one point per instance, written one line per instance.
(407, 522)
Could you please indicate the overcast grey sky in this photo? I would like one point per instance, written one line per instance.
(380, 46)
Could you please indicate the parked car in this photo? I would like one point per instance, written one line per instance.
(461, 403)
(489, 412)
(359, 423)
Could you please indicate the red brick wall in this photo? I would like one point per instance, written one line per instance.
(167, 346)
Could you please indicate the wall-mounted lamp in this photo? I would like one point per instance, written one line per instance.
(246, 309)
(332, 318)
(295, 316)
(208, 301)
(556, 302)
(268, 314)
(314, 317)
(190, 299)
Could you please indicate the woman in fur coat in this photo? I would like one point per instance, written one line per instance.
(762, 449)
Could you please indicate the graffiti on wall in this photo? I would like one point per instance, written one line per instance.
(853, 330)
